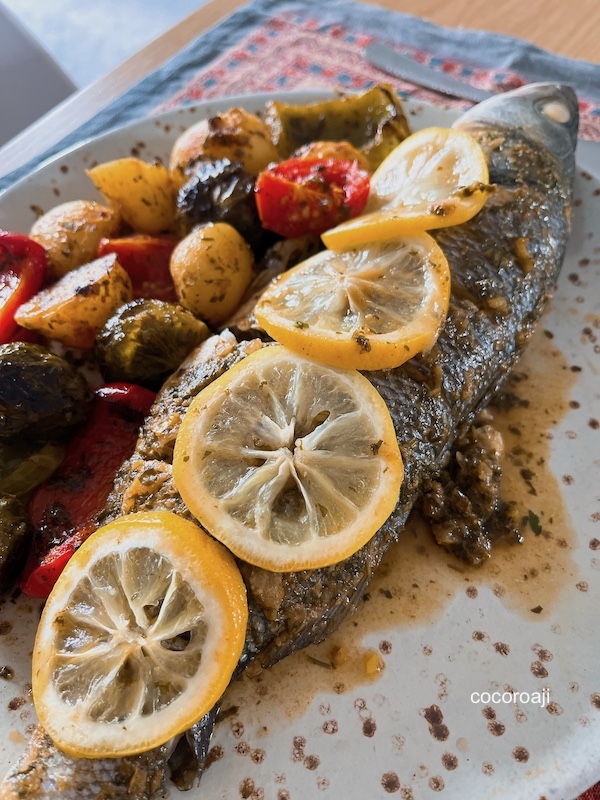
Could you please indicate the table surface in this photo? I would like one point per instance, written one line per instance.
(572, 33)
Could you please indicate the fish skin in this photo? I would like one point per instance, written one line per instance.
(45, 772)
(497, 298)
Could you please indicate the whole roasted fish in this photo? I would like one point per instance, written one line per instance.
(504, 265)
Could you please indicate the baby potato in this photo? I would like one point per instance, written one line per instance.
(211, 270)
(74, 308)
(70, 233)
(342, 151)
(142, 193)
(236, 135)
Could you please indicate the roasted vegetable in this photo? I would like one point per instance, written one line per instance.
(235, 135)
(76, 306)
(25, 464)
(211, 269)
(373, 121)
(63, 509)
(303, 196)
(146, 260)
(343, 151)
(284, 254)
(142, 193)
(70, 233)
(146, 340)
(39, 392)
(23, 266)
(221, 191)
(15, 536)
(462, 503)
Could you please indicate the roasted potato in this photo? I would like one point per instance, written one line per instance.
(71, 232)
(142, 193)
(74, 308)
(241, 137)
(211, 269)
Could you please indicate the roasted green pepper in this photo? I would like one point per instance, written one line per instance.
(373, 121)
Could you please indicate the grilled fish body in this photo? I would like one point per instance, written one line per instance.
(504, 265)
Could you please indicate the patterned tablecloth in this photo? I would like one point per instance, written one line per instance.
(273, 45)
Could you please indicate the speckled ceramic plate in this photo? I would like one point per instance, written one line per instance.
(490, 686)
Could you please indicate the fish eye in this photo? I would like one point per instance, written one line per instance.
(556, 111)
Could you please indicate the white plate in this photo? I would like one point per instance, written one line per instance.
(305, 731)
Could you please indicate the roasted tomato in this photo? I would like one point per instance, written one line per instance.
(146, 259)
(306, 195)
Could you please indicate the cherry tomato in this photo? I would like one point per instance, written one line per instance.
(309, 195)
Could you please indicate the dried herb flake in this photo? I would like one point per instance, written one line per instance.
(534, 522)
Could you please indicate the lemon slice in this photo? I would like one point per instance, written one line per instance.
(368, 308)
(139, 637)
(435, 178)
(291, 464)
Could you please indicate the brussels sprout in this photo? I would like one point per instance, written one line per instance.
(221, 191)
(146, 340)
(40, 393)
(24, 465)
(15, 537)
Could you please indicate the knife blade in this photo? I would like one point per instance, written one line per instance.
(388, 60)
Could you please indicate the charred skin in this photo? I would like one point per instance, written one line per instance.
(504, 266)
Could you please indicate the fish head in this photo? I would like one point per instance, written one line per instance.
(545, 113)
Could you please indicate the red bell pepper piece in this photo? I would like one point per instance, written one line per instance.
(309, 195)
(146, 259)
(63, 509)
(25, 335)
(23, 265)
(127, 395)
